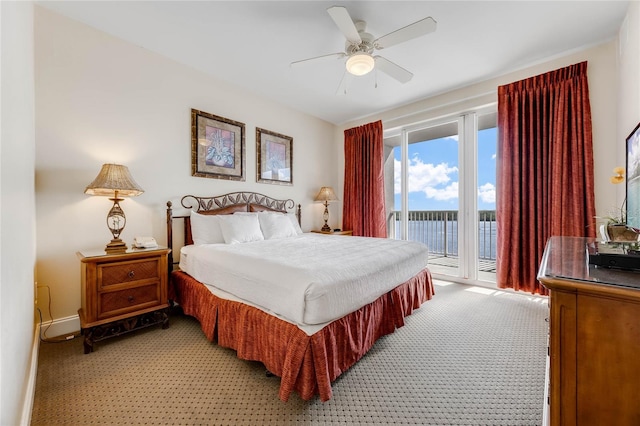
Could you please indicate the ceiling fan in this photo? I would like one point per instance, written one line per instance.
(360, 45)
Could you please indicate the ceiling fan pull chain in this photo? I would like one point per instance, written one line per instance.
(340, 84)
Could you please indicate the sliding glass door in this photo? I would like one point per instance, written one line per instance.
(440, 183)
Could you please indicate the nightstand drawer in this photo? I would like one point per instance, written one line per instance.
(111, 303)
(117, 273)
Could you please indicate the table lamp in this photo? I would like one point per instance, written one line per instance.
(114, 181)
(326, 194)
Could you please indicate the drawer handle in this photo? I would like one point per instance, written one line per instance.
(130, 298)
(131, 274)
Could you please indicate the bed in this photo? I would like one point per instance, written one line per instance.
(286, 298)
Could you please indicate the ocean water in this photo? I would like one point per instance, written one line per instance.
(442, 236)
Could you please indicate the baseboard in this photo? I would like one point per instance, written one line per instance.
(61, 327)
(30, 390)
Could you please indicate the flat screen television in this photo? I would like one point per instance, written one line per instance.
(633, 178)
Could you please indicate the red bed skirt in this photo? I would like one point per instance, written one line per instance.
(306, 364)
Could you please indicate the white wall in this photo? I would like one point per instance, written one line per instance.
(603, 88)
(629, 87)
(17, 217)
(100, 99)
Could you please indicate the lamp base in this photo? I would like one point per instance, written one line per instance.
(116, 246)
(326, 228)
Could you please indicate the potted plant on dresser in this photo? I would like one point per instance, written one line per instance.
(617, 229)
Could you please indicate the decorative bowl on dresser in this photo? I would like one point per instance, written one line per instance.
(122, 292)
(334, 232)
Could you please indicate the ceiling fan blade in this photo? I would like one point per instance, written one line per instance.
(330, 55)
(417, 29)
(393, 70)
(345, 24)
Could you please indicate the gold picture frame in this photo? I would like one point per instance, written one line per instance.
(274, 155)
(217, 147)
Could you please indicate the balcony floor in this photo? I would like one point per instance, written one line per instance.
(448, 265)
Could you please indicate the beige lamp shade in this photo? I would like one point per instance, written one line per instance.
(114, 180)
(326, 194)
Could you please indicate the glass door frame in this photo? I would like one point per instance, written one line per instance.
(468, 221)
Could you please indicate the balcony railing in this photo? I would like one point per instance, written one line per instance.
(438, 229)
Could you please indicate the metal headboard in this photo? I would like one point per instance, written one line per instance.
(234, 201)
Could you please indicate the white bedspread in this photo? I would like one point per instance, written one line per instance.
(308, 279)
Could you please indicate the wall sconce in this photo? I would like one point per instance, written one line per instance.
(326, 194)
(114, 181)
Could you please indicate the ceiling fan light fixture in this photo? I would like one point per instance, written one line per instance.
(360, 64)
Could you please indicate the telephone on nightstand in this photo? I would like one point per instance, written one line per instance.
(145, 242)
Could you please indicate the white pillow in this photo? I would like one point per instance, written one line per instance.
(276, 225)
(205, 229)
(292, 217)
(240, 228)
(295, 223)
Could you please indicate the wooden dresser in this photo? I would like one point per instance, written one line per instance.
(594, 337)
(122, 292)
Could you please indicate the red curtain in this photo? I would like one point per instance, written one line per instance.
(363, 207)
(544, 170)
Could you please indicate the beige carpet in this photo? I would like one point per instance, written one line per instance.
(464, 358)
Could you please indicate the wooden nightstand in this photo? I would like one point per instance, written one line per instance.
(122, 292)
(333, 232)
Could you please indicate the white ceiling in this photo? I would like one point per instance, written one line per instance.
(252, 43)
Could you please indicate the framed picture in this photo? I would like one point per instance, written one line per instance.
(633, 179)
(217, 147)
(274, 154)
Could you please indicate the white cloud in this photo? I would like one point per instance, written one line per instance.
(450, 192)
(429, 179)
(493, 157)
(487, 193)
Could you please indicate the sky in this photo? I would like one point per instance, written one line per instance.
(433, 173)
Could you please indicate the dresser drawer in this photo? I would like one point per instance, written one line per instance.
(111, 303)
(125, 272)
